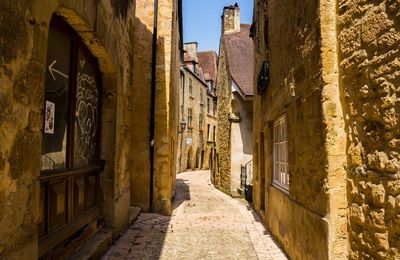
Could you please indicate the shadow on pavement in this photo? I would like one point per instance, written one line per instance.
(182, 193)
(145, 238)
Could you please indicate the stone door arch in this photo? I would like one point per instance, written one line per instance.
(197, 159)
(70, 198)
(189, 159)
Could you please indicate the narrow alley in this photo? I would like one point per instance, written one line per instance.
(205, 224)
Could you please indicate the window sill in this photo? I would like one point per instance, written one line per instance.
(191, 96)
(283, 188)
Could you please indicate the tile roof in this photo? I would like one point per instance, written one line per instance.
(239, 52)
(208, 63)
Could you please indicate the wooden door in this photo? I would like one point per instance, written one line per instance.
(70, 166)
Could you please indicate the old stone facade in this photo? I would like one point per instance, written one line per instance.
(235, 94)
(326, 126)
(40, 207)
(208, 61)
(196, 101)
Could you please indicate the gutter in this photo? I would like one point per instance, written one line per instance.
(152, 102)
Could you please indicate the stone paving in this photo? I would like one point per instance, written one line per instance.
(206, 224)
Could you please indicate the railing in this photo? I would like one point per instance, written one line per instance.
(246, 179)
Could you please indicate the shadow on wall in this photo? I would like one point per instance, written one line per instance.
(246, 127)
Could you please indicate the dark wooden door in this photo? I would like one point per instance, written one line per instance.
(70, 176)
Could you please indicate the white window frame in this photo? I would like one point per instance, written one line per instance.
(280, 152)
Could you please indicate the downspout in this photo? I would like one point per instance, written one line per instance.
(152, 102)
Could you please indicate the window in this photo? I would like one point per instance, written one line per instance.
(201, 97)
(190, 116)
(208, 132)
(200, 122)
(281, 167)
(214, 133)
(70, 165)
(208, 105)
(214, 107)
(191, 87)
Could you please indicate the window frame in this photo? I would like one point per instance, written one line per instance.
(208, 132)
(190, 118)
(190, 87)
(52, 231)
(280, 179)
(77, 45)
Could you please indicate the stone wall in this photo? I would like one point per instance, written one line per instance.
(309, 219)
(193, 133)
(166, 106)
(22, 89)
(209, 154)
(109, 30)
(369, 40)
(224, 93)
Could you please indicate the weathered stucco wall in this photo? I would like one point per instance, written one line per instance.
(369, 38)
(303, 86)
(241, 139)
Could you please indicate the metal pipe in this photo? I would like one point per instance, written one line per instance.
(152, 102)
(182, 119)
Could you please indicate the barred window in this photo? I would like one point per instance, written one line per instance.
(281, 167)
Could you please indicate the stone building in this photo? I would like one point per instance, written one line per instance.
(235, 95)
(88, 119)
(197, 98)
(208, 61)
(326, 126)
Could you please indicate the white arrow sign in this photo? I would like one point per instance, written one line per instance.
(52, 71)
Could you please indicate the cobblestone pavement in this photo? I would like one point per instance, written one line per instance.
(206, 224)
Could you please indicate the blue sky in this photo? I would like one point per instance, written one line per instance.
(202, 20)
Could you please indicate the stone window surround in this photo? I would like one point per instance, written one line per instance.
(280, 179)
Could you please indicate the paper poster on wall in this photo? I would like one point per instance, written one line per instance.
(49, 118)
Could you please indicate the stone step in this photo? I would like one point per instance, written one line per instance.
(95, 247)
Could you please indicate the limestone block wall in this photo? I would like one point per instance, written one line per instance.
(224, 93)
(193, 133)
(166, 105)
(114, 32)
(309, 219)
(209, 155)
(105, 29)
(369, 42)
(141, 84)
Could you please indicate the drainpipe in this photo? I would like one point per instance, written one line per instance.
(182, 119)
(153, 99)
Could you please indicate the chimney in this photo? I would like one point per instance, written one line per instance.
(191, 49)
(231, 19)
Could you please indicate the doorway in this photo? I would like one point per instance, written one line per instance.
(70, 160)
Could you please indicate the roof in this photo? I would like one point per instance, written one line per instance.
(208, 63)
(239, 52)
